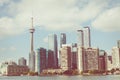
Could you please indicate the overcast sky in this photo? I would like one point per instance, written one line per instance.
(56, 16)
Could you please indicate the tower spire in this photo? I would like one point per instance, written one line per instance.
(32, 21)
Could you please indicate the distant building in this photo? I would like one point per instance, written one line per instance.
(62, 39)
(52, 46)
(102, 60)
(116, 57)
(65, 58)
(41, 60)
(13, 69)
(87, 59)
(22, 61)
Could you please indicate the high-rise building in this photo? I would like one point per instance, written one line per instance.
(52, 46)
(65, 58)
(118, 43)
(80, 38)
(41, 60)
(22, 61)
(32, 53)
(102, 60)
(116, 57)
(87, 40)
(62, 39)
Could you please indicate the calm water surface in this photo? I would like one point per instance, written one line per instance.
(108, 77)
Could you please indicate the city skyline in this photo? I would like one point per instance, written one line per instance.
(15, 22)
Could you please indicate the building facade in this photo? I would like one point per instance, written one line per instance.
(53, 46)
(41, 60)
(65, 58)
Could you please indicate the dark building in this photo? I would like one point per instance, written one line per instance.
(41, 60)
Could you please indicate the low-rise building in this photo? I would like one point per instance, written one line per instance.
(13, 69)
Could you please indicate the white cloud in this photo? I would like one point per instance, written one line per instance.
(108, 20)
(2, 2)
(52, 14)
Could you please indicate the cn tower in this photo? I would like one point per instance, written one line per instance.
(32, 53)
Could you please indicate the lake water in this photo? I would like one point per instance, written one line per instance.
(108, 77)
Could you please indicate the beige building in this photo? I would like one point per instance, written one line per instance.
(65, 58)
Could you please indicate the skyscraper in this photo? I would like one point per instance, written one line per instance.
(80, 38)
(22, 61)
(87, 40)
(32, 53)
(52, 46)
(62, 39)
(40, 60)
